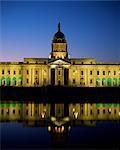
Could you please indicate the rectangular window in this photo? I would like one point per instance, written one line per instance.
(91, 111)
(13, 111)
(73, 81)
(36, 72)
(14, 72)
(98, 73)
(8, 111)
(114, 72)
(27, 71)
(108, 72)
(90, 72)
(103, 72)
(2, 111)
(103, 111)
(27, 81)
(27, 112)
(91, 81)
(19, 112)
(3, 72)
(59, 72)
(98, 111)
(81, 72)
(8, 71)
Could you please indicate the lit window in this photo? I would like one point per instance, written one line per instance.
(98, 104)
(104, 105)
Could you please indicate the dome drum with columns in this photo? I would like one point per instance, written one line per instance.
(59, 45)
(60, 69)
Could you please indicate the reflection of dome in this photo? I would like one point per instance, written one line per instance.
(59, 37)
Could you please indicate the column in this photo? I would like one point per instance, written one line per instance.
(62, 75)
(33, 76)
(49, 76)
(56, 76)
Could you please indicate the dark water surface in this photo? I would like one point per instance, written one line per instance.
(103, 135)
(47, 126)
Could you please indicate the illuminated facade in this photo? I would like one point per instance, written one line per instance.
(60, 69)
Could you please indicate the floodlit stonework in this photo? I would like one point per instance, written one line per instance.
(13, 110)
(60, 69)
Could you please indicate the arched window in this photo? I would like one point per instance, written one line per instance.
(114, 81)
(14, 81)
(119, 82)
(98, 82)
(103, 81)
(3, 80)
(20, 81)
(109, 81)
(8, 81)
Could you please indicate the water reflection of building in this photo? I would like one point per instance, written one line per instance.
(30, 111)
(60, 69)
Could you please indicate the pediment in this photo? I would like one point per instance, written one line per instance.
(59, 62)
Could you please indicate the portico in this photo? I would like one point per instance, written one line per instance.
(59, 72)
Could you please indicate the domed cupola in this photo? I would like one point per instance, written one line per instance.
(59, 45)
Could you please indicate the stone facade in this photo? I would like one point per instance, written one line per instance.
(60, 69)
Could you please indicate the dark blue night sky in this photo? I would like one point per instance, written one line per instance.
(92, 29)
